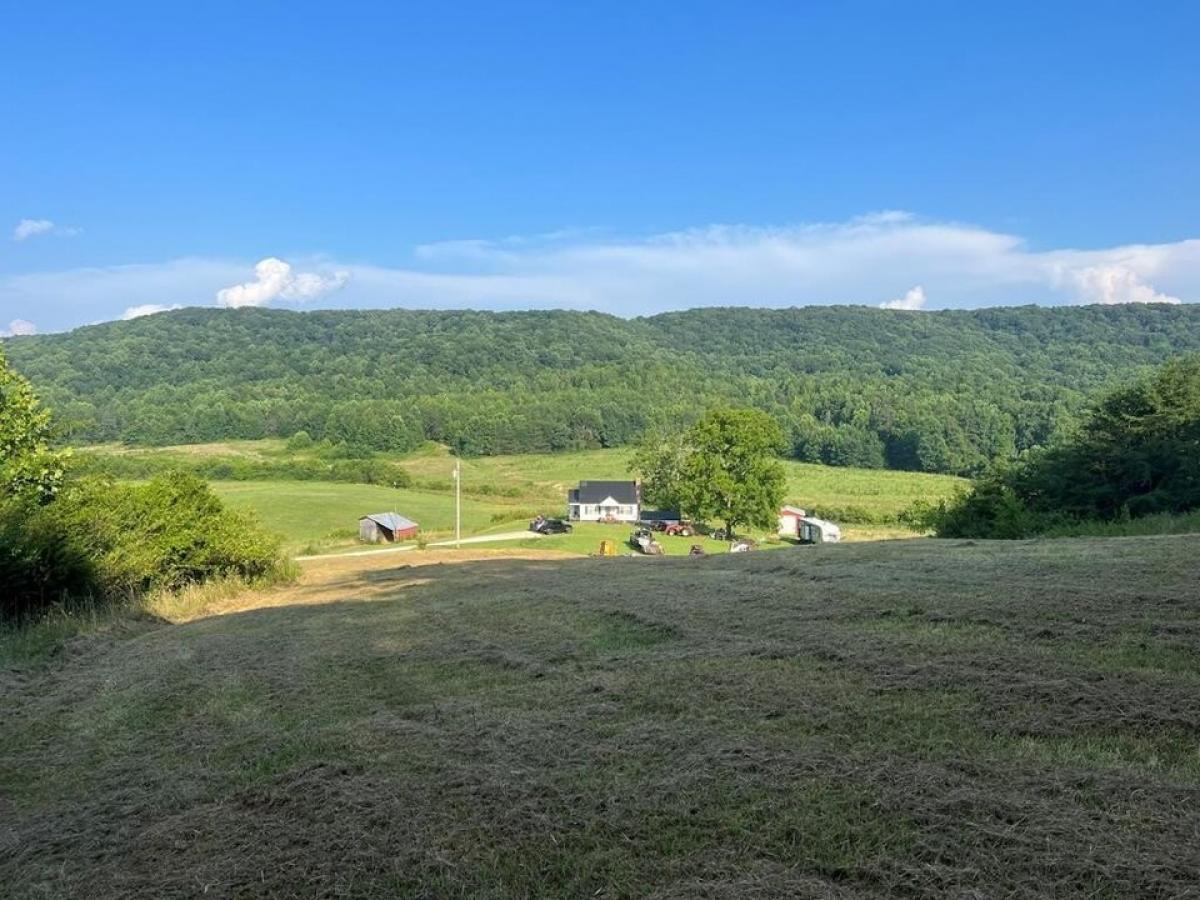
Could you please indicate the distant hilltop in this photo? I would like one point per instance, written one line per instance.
(947, 391)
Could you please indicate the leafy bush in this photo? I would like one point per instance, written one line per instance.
(101, 540)
(40, 565)
(166, 533)
(854, 514)
(990, 510)
(342, 467)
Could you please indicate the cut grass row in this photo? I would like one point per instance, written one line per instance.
(916, 718)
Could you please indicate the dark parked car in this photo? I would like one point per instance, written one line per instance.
(542, 525)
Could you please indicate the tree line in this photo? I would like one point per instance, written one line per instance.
(954, 391)
(1134, 455)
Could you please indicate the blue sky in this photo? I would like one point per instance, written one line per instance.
(625, 157)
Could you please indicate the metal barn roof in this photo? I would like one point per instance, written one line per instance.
(391, 521)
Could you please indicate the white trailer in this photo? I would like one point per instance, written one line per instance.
(818, 531)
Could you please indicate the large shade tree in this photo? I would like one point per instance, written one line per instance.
(724, 468)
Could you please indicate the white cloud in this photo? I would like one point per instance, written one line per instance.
(147, 309)
(858, 261)
(274, 279)
(914, 298)
(1113, 284)
(17, 327)
(28, 228)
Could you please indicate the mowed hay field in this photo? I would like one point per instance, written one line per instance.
(904, 718)
(322, 515)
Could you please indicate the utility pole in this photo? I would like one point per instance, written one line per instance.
(457, 504)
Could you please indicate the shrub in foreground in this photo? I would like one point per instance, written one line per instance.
(101, 540)
(167, 533)
(39, 565)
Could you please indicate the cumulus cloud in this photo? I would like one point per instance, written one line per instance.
(275, 279)
(1110, 284)
(28, 228)
(914, 298)
(18, 327)
(147, 309)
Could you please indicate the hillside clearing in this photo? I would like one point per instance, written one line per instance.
(911, 717)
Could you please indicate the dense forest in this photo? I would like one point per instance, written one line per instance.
(938, 391)
(1136, 454)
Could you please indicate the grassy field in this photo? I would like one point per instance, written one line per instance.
(313, 515)
(906, 718)
(502, 492)
(546, 477)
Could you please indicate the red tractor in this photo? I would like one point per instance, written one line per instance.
(679, 529)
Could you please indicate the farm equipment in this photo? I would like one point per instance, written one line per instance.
(741, 546)
(642, 540)
(608, 548)
(679, 529)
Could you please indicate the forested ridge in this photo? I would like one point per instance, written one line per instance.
(937, 391)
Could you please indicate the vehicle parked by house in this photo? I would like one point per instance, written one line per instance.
(659, 519)
(679, 529)
(543, 525)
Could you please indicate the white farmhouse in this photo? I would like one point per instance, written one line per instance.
(605, 501)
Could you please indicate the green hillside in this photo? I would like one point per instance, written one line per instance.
(939, 391)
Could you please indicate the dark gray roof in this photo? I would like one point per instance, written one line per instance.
(597, 491)
(391, 521)
(660, 515)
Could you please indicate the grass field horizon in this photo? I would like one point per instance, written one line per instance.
(502, 492)
(903, 718)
